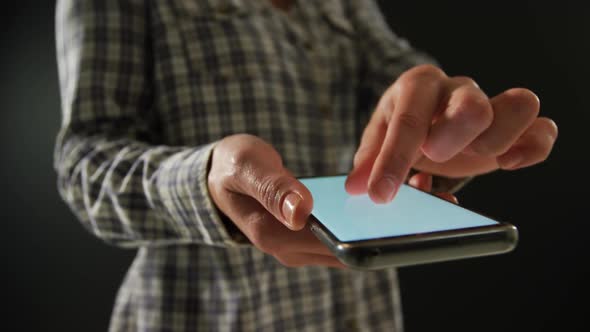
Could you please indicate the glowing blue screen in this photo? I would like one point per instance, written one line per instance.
(353, 218)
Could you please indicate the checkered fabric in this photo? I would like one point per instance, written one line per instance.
(149, 87)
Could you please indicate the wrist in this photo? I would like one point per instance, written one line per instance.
(230, 227)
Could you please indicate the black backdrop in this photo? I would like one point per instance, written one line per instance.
(58, 277)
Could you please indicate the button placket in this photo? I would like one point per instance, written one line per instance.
(301, 24)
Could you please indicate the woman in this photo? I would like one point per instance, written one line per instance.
(186, 123)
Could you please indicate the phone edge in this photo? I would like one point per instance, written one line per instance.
(421, 248)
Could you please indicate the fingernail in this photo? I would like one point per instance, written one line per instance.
(289, 205)
(511, 160)
(385, 188)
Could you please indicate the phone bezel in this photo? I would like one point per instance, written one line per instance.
(419, 248)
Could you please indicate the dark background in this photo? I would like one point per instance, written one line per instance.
(58, 277)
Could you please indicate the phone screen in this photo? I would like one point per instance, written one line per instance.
(355, 218)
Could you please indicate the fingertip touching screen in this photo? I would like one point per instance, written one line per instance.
(355, 218)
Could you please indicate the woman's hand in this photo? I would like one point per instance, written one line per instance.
(249, 184)
(446, 126)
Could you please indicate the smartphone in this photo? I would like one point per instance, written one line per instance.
(415, 228)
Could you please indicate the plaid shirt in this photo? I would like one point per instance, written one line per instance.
(148, 87)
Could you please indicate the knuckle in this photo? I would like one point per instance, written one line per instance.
(240, 157)
(398, 162)
(419, 78)
(426, 72)
(230, 175)
(418, 82)
(412, 121)
(476, 109)
(222, 176)
(245, 147)
(487, 148)
(465, 80)
(225, 178)
(272, 189)
(402, 159)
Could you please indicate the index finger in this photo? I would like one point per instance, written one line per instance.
(415, 103)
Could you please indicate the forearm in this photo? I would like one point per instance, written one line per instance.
(123, 186)
(129, 193)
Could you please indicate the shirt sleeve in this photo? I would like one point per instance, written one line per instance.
(385, 56)
(123, 187)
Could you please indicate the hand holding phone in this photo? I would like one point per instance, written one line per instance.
(414, 228)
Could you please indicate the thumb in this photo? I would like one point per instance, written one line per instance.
(275, 188)
(286, 198)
